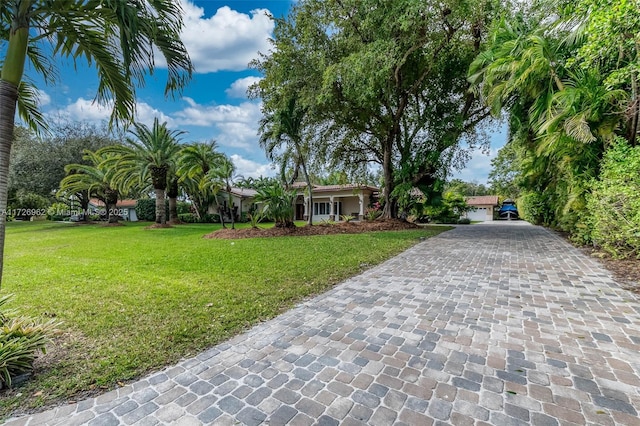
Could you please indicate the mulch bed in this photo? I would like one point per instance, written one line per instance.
(320, 229)
(626, 272)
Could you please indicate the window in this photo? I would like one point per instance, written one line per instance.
(321, 208)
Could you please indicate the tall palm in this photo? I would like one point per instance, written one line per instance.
(93, 178)
(281, 137)
(196, 160)
(117, 37)
(149, 158)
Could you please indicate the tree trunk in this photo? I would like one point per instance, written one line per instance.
(8, 100)
(110, 201)
(387, 168)
(172, 193)
(231, 212)
(310, 189)
(161, 214)
(84, 205)
(220, 214)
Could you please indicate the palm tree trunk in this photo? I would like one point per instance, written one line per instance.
(310, 189)
(8, 100)
(10, 78)
(231, 212)
(110, 201)
(220, 214)
(172, 193)
(161, 214)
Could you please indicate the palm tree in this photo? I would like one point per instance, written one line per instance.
(281, 130)
(150, 158)
(93, 178)
(196, 160)
(222, 178)
(117, 37)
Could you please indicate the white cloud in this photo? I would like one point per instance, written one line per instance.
(248, 168)
(43, 98)
(238, 88)
(85, 110)
(228, 40)
(237, 124)
(89, 111)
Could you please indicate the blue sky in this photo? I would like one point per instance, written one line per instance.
(221, 37)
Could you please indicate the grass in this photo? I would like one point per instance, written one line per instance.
(134, 300)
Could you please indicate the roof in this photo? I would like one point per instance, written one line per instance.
(483, 200)
(335, 188)
(121, 203)
(243, 192)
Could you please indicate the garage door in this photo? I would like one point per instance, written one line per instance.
(479, 214)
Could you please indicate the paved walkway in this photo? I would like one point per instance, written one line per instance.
(502, 324)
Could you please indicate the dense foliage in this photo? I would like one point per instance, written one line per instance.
(379, 83)
(566, 75)
(613, 206)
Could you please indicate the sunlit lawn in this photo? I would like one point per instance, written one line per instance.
(134, 300)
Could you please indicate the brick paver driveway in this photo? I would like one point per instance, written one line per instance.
(500, 324)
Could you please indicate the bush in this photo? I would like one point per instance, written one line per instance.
(183, 207)
(187, 218)
(613, 208)
(464, 221)
(28, 204)
(21, 339)
(146, 209)
(278, 204)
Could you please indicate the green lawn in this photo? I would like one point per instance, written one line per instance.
(134, 300)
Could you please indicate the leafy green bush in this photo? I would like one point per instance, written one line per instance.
(28, 204)
(533, 208)
(187, 218)
(255, 217)
(21, 339)
(183, 207)
(614, 204)
(278, 204)
(146, 209)
(464, 221)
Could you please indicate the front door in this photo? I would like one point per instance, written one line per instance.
(337, 209)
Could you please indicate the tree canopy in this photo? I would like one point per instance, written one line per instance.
(382, 82)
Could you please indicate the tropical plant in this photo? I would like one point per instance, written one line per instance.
(195, 163)
(281, 136)
(255, 216)
(278, 204)
(117, 37)
(221, 178)
(27, 204)
(21, 339)
(614, 203)
(94, 179)
(347, 217)
(150, 158)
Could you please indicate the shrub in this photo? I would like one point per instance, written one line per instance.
(278, 204)
(210, 218)
(183, 207)
(28, 204)
(464, 221)
(614, 204)
(347, 217)
(21, 339)
(372, 213)
(187, 217)
(146, 209)
(255, 217)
